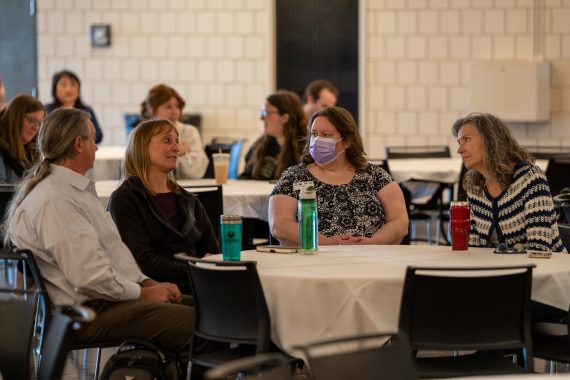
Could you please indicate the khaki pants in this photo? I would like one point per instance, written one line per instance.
(169, 326)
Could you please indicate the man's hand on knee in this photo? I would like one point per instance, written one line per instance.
(161, 292)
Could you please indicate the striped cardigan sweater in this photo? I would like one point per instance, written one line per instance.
(522, 213)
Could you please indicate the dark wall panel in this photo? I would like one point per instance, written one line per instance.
(18, 56)
(318, 39)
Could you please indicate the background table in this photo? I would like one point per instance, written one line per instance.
(248, 198)
(353, 290)
(107, 164)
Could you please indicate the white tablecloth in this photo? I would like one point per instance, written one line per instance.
(247, 198)
(353, 290)
(444, 170)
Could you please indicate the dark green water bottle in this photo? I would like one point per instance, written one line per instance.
(308, 221)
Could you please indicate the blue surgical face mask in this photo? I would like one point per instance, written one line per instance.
(323, 149)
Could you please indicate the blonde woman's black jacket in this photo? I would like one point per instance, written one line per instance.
(152, 240)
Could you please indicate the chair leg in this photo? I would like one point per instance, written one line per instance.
(97, 363)
(189, 370)
(552, 364)
(413, 232)
(428, 231)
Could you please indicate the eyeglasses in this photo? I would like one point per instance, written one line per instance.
(264, 113)
(33, 121)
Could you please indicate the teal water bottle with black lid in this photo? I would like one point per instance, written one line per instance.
(308, 221)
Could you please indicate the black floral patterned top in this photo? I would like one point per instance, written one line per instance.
(352, 208)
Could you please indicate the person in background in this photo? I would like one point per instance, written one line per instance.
(319, 94)
(19, 125)
(283, 139)
(56, 214)
(357, 202)
(154, 215)
(163, 102)
(509, 196)
(66, 93)
(2, 94)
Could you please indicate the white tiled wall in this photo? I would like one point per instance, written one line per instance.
(219, 55)
(417, 56)
(216, 53)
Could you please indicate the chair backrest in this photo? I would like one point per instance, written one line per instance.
(18, 305)
(60, 337)
(548, 152)
(417, 152)
(212, 199)
(557, 174)
(7, 191)
(225, 145)
(564, 230)
(467, 308)
(230, 304)
(378, 356)
(272, 366)
(16, 329)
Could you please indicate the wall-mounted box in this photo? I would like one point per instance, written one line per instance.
(513, 91)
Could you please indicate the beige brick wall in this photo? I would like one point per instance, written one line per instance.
(417, 60)
(218, 54)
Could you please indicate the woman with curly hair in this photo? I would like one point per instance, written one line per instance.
(19, 125)
(509, 196)
(282, 143)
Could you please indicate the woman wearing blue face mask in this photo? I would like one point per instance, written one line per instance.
(357, 202)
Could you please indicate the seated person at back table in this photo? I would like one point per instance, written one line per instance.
(19, 125)
(319, 94)
(66, 93)
(282, 142)
(357, 202)
(155, 216)
(509, 196)
(163, 102)
(56, 214)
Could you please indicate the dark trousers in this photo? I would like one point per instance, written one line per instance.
(169, 326)
(545, 313)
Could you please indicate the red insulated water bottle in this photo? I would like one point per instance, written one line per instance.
(459, 224)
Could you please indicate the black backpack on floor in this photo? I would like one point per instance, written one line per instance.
(141, 361)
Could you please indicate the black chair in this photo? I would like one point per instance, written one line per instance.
(230, 308)
(212, 199)
(433, 151)
(420, 212)
(551, 341)
(18, 305)
(65, 322)
(46, 309)
(272, 366)
(564, 231)
(364, 357)
(548, 152)
(557, 175)
(482, 309)
(443, 217)
(225, 145)
(7, 192)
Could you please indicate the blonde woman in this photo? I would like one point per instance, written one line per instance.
(155, 216)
